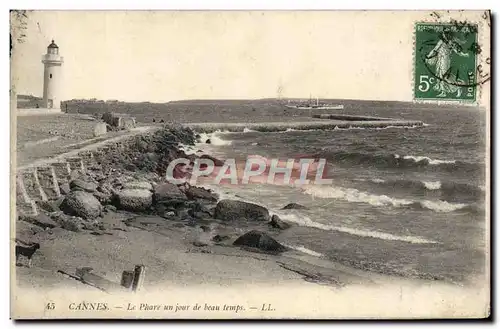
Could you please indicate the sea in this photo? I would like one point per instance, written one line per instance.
(403, 201)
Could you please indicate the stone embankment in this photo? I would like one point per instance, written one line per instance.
(77, 193)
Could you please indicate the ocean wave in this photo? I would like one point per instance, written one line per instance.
(303, 220)
(356, 196)
(247, 130)
(214, 138)
(398, 127)
(381, 160)
(305, 250)
(306, 221)
(427, 159)
(446, 189)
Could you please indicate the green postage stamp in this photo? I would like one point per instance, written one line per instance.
(445, 62)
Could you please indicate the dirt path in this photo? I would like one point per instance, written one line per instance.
(90, 145)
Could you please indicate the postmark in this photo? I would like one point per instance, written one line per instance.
(446, 62)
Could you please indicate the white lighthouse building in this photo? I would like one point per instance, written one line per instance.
(52, 81)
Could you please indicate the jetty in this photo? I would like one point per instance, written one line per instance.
(328, 124)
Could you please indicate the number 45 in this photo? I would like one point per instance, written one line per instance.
(425, 83)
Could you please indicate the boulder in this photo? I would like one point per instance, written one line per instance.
(229, 210)
(134, 199)
(64, 188)
(118, 121)
(200, 193)
(259, 240)
(167, 191)
(81, 185)
(82, 204)
(142, 185)
(276, 222)
(100, 129)
(294, 205)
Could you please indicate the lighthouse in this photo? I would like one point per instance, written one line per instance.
(52, 62)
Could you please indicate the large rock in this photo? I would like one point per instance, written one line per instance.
(82, 204)
(167, 191)
(142, 185)
(229, 210)
(259, 240)
(119, 121)
(276, 222)
(200, 193)
(294, 205)
(81, 185)
(134, 199)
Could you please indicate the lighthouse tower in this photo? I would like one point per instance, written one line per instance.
(52, 62)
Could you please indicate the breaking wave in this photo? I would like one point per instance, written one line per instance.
(354, 195)
(397, 161)
(305, 250)
(214, 138)
(306, 221)
(448, 190)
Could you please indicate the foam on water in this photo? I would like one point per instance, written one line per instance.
(304, 250)
(432, 185)
(214, 138)
(418, 158)
(306, 221)
(354, 195)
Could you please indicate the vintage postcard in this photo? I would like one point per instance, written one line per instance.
(250, 164)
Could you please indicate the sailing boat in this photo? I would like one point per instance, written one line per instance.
(316, 106)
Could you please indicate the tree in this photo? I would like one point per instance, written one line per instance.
(18, 26)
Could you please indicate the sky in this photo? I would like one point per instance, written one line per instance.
(172, 55)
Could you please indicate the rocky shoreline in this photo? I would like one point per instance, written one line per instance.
(126, 187)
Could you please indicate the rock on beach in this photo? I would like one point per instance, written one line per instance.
(134, 199)
(82, 204)
(259, 240)
(229, 210)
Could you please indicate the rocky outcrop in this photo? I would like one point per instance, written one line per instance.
(134, 199)
(230, 210)
(276, 222)
(293, 205)
(166, 192)
(259, 240)
(82, 204)
(194, 193)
